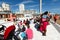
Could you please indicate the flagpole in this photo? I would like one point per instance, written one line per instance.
(40, 6)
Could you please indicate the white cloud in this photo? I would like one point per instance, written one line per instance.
(14, 5)
(34, 5)
(54, 0)
(17, 10)
(24, 2)
(55, 9)
(29, 1)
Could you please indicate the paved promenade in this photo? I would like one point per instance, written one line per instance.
(52, 33)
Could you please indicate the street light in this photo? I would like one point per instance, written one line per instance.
(40, 6)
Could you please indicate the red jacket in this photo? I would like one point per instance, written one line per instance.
(8, 30)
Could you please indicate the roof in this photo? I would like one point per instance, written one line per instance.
(7, 12)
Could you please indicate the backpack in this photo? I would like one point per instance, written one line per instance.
(37, 25)
(29, 33)
(23, 35)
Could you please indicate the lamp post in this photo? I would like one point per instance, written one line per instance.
(40, 6)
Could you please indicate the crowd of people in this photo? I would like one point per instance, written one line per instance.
(24, 32)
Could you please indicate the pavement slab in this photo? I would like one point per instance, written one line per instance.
(52, 33)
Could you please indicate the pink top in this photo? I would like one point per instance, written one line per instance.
(29, 33)
(43, 19)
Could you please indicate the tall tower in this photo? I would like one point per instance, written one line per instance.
(21, 8)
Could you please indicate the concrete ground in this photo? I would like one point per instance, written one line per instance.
(52, 33)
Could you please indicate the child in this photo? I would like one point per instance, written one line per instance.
(24, 22)
(29, 33)
(20, 22)
(27, 22)
(23, 34)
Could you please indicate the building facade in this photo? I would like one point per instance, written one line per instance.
(5, 7)
(21, 8)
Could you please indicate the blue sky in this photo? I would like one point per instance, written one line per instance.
(29, 4)
(47, 5)
(51, 5)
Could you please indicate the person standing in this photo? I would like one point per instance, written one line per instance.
(27, 22)
(43, 23)
(29, 33)
(22, 34)
(56, 17)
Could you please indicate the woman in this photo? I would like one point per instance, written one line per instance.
(44, 23)
(29, 33)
